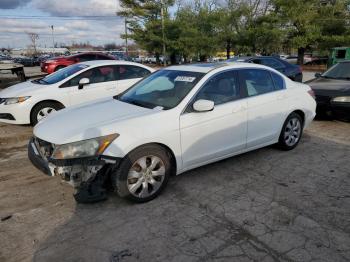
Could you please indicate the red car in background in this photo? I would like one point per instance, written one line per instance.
(51, 65)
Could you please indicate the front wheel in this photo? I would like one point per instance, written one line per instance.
(42, 110)
(143, 173)
(291, 132)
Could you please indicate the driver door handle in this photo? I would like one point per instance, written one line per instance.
(238, 108)
(280, 97)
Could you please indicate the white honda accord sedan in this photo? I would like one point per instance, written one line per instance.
(176, 119)
(31, 101)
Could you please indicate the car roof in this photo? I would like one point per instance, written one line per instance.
(89, 53)
(110, 62)
(200, 67)
(207, 67)
(250, 57)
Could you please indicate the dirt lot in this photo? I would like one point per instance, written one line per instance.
(265, 205)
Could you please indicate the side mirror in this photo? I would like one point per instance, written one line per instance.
(203, 105)
(317, 75)
(84, 81)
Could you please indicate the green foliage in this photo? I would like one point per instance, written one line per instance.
(201, 28)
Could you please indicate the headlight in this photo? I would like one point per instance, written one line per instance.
(85, 148)
(341, 99)
(15, 100)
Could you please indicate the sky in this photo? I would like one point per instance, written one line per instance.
(73, 21)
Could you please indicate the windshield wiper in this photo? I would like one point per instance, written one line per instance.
(136, 103)
(39, 81)
(139, 103)
(328, 77)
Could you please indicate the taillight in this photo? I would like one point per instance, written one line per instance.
(312, 93)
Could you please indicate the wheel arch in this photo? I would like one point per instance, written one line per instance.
(57, 67)
(169, 151)
(44, 101)
(300, 113)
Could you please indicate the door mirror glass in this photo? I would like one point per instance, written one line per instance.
(83, 82)
(317, 75)
(203, 105)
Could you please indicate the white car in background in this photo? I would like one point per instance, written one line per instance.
(174, 120)
(31, 101)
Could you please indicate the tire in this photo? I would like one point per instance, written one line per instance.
(291, 132)
(58, 68)
(41, 108)
(130, 178)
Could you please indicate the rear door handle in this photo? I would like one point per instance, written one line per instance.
(280, 97)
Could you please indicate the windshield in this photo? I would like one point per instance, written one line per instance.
(61, 74)
(164, 88)
(338, 71)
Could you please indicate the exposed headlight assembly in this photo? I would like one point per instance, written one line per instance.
(341, 99)
(15, 100)
(84, 148)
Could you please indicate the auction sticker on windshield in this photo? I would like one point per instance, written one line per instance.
(185, 78)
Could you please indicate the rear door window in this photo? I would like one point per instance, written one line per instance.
(256, 81)
(129, 72)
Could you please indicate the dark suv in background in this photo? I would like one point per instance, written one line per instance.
(294, 72)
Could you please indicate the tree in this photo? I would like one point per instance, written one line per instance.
(334, 20)
(145, 22)
(33, 39)
(198, 36)
(300, 20)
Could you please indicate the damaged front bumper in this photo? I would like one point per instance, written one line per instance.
(76, 172)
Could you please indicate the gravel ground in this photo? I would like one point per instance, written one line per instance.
(266, 205)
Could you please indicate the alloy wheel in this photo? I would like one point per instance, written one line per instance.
(44, 112)
(146, 176)
(292, 131)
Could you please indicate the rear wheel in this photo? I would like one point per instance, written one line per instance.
(42, 110)
(291, 132)
(143, 173)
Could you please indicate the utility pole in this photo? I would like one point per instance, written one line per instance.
(126, 37)
(163, 29)
(53, 40)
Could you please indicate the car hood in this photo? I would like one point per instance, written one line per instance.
(87, 121)
(21, 89)
(330, 87)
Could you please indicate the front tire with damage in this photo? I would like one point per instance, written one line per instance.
(143, 173)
